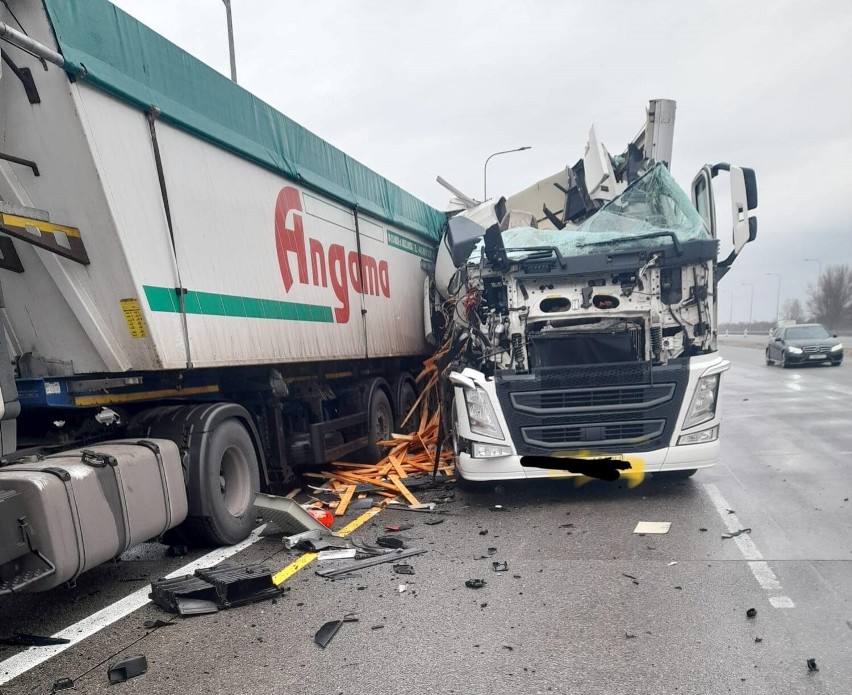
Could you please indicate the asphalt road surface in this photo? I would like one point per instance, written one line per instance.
(565, 617)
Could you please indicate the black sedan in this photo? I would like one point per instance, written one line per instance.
(805, 343)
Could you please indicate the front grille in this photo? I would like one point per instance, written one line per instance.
(606, 398)
(631, 407)
(811, 349)
(593, 434)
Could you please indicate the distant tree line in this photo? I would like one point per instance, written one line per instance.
(828, 303)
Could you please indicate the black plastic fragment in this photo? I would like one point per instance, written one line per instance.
(475, 583)
(151, 624)
(25, 639)
(500, 566)
(390, 542)
(325, 634)
(63, 684)
(240, 585)
(751, 612)
(483, 532)
(812, 665)
(166, 592)
(434, 522)
(758, 639)
(127, 668)
(403, 569)
(377, 627)
(195, 606)
(733, 534)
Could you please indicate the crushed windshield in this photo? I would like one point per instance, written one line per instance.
(807, 333)
(650, 209)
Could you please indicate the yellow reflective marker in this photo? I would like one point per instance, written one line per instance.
(283, 575)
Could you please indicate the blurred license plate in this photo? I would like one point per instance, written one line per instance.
(816, 357)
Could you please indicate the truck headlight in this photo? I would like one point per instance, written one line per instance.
(702, 437)
(703, 406)
(488, 451)
(793, 350)
(480, 413)
(837, 348)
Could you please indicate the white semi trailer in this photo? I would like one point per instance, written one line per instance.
(180, 264)
(584, 339)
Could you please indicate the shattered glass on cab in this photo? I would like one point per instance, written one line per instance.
(652, 205)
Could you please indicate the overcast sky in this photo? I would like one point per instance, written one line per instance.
(417, 89)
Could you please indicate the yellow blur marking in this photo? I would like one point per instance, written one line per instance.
(111, 399)
(283, 575)
(46, 227)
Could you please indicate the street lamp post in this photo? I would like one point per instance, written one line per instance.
(819, 269)
(231, 39)
(750, 301)
(485, 168)
(778, 298)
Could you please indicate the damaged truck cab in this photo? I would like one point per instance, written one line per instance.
(591, 350)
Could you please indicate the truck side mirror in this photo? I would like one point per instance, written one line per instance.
(743, 199)
(462, 237)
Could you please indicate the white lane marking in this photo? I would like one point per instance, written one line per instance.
(23, 661)
(759, 568)
(781, 602)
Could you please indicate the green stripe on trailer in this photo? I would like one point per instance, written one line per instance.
(165, 299)
(106, 47)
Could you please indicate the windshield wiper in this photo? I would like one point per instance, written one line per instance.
(652, 235)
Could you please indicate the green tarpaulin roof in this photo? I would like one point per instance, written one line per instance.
(129, 60)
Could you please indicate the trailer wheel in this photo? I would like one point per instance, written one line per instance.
(227, 483)
(406, 400)
(379, 423)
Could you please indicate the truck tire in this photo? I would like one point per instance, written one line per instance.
(379, 424)
(406, 397)
(225, 487)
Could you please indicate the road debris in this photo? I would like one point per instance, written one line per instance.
(733, 534)
(475, 583)
(403, 569)
(393, 542)
(629, 576)
(63, 684)
(402, 588)
(288, 516)
(500, 566)
(483, 532)
(702, 529)
(498, 508)
(758, 639)
(325, 634)
(398, 527)
(491, 552)
(154, 624)
(673, 562)
(434, 522)
(812, 665)
(377, 627)
(127, 668)
(389, 556)
(25, 639)
(344, 554)
(223, 586)
(644, 527)
(751, 612)
(628, 635)
(731, 511)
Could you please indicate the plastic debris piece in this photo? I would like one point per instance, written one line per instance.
(731, 511)
(483, 532)
(733, 534)
(758, 639)
(369, 562)
(508, 647)
(325, 634)
(399, 527)
(325, 517)
(25, 639)
(177, 550)
(344, 554)
(653, 527)
(434, 522)
(488, 553)
(377, 627)
(500, 566)
(195, 606)
(679, 588)
(475, 583)
(483, 604)
(63, 684)
(498, 508)
(403, 569)
(812, 665)
(566, 525)
(127, 668)
(359, 504)
(751, 612)
(287, 515)
(673, 562)
(152, 624)
(402, 588)
(629, 576)
(390, 542)
(350, 618)
(628, 635)
(237, 586)
(702, 529)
